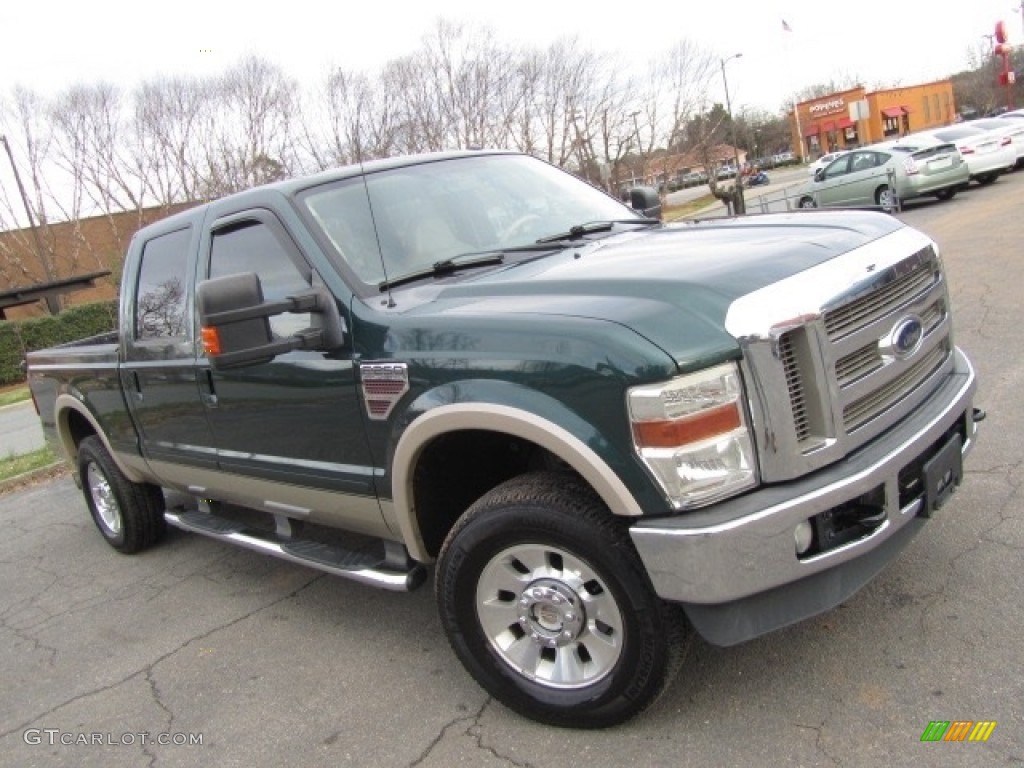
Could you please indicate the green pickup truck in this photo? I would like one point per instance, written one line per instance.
(598, 431)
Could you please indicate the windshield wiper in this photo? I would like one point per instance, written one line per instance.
(446, 267)
(595, 226)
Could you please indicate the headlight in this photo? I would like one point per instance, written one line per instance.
(692, 434)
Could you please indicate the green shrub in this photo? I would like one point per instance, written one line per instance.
(19, 337)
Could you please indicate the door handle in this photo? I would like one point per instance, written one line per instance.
(208, 394)
(137, 386)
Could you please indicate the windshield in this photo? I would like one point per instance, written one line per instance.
(407, 219)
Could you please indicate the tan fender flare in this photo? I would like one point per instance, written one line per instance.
(511, 421)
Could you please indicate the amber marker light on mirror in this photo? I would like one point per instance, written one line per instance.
(211, 341)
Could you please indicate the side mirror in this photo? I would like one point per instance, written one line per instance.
(819, 174)
(236, 327)
(645, 201)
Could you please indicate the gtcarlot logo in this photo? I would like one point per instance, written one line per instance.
(53, 737)
(958, 730)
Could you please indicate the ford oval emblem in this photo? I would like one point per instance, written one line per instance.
(906, 337)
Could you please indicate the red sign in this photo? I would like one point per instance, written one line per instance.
(1000, 32)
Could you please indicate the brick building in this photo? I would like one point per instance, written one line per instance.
(836, 121)
(82, 246)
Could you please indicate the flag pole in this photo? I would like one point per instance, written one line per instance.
(787, 31)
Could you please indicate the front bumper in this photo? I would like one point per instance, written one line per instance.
(734, 565)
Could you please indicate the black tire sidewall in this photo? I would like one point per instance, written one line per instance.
(90, 455)
(633, 681)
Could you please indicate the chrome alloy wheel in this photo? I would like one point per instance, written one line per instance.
(549, 616)
(103, 499)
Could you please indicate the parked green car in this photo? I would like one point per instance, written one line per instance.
(882, 175)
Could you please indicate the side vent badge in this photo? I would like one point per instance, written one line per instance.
(383, 386)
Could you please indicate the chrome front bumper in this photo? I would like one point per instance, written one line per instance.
(744, 547)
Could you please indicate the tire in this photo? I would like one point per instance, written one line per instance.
(129, 515)
(807, 202)
(986, 179)
(885, 198)
(946, 194)
(547, 605)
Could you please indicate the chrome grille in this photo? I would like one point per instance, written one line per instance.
(794, 381)
(828, 356)
(866, 309)
(866, 408)
(868, 358)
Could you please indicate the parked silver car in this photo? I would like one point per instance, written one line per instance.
(883, 174)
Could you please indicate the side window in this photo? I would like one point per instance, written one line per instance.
(252, 247)
(160, 291)
(838, 167)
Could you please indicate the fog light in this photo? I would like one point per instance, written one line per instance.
(803, 535)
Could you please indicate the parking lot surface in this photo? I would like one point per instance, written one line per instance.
(267, 663)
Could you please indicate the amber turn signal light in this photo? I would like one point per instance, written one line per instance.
(675, 432)
(211, 341)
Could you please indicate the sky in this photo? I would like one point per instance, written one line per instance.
(52, 44)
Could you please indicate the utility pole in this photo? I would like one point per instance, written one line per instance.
(52, 303)
(739, 205)
(640, 146)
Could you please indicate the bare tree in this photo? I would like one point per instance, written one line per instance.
(171, 117)
(251, 141)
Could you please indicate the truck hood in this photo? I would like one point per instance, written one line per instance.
(672, 285)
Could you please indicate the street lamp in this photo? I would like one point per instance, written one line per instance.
(740, 206)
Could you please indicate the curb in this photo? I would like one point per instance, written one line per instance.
(50, 471)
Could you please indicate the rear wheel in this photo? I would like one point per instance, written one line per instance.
(946, 194)
(987, 179)
(129, 515)
(547, 605)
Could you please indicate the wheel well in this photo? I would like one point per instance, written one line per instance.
(79, 427)
(457, 468)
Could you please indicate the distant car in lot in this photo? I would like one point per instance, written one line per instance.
(988, 154)
(879, 175)
(1012, 128)
(824, 160)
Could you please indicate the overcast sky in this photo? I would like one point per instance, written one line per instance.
(50, 45)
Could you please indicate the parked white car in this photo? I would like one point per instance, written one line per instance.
(1012, 128)
(824, 160)
(988, 154)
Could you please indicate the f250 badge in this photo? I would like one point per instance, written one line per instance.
(383, 386)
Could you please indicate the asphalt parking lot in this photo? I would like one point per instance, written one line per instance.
(267, 663)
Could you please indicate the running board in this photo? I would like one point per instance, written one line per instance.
(361, 566)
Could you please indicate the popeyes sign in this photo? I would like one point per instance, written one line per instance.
(827, 107)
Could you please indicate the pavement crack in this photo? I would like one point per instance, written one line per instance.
(455, 722)
(817, 740)
(148, 669)
(475, 732)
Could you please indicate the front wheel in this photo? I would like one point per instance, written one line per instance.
(547, 605)
(807, 202)
(129, 515)
(946, 194)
